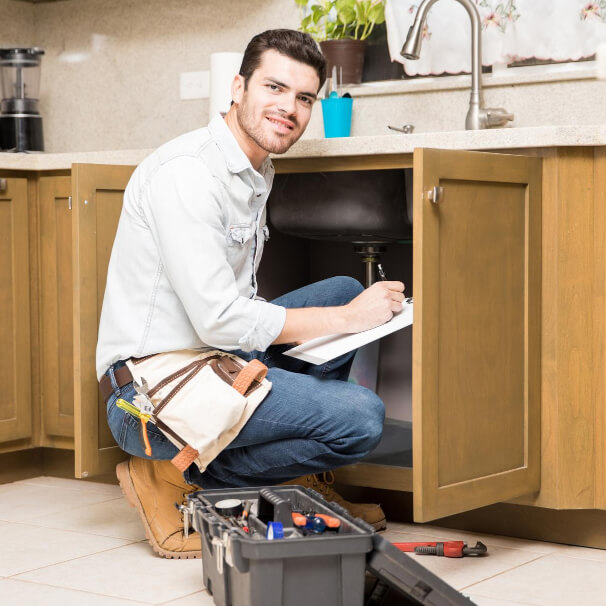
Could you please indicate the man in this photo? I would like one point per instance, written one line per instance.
(182, 276)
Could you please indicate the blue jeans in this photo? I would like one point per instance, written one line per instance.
(311, 421)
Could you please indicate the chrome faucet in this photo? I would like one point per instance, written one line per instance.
(477, 116)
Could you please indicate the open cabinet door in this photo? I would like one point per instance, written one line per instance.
(476, 334)
(97, 192)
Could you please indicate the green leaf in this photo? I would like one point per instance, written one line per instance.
(306, 22)
(301, 3)
(377, 14)
(341, 4)
(346, 15)
(362, 9)
(317, 12)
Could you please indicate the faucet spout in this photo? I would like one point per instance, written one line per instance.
(476, 116)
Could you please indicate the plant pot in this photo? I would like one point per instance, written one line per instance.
(346, 54)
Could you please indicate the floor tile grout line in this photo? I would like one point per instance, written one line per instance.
(64, 490)
(52, 513)
(82, 485)
(543, 555)
(90, 534)
(87, 555)
(102, 595)
(204, 590)
(515, 602)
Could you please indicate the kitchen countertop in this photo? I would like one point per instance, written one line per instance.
(396, 143)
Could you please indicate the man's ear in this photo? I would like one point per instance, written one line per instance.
(237, 88)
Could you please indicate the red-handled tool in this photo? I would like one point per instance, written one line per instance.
(448, 549)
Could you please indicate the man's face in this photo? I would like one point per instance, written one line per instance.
(275, 108)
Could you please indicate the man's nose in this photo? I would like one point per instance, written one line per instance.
(288, 104)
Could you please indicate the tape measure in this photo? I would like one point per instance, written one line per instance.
(229, 507)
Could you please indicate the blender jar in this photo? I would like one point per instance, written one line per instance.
(20, 77)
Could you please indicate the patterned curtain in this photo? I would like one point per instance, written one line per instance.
(512, 30)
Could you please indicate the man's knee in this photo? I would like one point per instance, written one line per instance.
(349, 287)
(368, 416)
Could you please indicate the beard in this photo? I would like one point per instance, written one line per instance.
(271, 142)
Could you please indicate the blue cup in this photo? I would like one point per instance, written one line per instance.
(336, 113)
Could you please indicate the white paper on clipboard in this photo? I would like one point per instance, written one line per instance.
(322, 349)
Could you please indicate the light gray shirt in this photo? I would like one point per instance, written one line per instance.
(182, 272)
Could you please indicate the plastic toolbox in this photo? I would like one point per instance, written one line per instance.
(242, 567)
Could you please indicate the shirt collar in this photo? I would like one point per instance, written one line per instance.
(236, 160)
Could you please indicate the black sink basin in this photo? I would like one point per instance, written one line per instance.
(350, 206)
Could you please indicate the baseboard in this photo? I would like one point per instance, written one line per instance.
(20, 465)
(25, 464)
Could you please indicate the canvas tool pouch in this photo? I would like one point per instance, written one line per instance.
(201, 399)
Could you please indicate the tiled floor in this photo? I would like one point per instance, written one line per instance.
(65, 542)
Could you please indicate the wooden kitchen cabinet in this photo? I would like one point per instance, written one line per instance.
(77, 216)
(56, 308)
(97, 192)
(509, 339)
(15, 363)
(476, 331)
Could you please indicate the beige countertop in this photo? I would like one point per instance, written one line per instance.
(396, 143)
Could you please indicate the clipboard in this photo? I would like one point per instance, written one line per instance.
(323, 349)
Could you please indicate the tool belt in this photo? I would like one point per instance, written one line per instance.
(199, 400)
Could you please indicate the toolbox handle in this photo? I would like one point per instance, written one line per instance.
(274, 508)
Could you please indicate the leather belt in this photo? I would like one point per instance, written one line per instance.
(123, 377)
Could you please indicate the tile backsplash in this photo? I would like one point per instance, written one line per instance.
(110, 75)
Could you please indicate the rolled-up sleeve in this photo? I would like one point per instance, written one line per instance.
(183, 205)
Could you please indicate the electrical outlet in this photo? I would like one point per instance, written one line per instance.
(194, 85)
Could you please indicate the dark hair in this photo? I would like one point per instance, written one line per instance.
(296, 45)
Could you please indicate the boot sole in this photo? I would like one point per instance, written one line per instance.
(128, 489)
(380, 525)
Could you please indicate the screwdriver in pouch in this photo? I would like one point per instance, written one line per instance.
(135, 412)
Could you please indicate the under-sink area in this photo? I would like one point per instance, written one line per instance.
(321, 224)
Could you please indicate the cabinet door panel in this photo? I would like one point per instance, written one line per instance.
(476, 336)
(56, 306)
(15, 364)
(97, 203)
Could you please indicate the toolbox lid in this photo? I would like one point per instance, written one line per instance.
(397, 570)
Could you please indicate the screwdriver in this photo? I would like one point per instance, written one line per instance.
(135, 412)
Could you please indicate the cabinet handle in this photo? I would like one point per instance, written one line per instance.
(69, 202)
(435, 194)
(2, 184)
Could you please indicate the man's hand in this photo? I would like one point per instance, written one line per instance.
(374, 306)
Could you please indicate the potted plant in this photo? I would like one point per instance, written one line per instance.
(341, 27)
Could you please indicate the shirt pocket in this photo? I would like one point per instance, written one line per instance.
(239, 247)
(239, 234)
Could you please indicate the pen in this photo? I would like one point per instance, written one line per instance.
(382, 275)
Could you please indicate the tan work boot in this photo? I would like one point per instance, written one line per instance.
(153, 487)
(369, 512)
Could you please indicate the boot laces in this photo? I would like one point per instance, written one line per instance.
(322, 483)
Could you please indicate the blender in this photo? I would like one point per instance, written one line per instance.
(20, 121)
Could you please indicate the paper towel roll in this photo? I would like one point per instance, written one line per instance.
(600, 61)
(223, 68)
